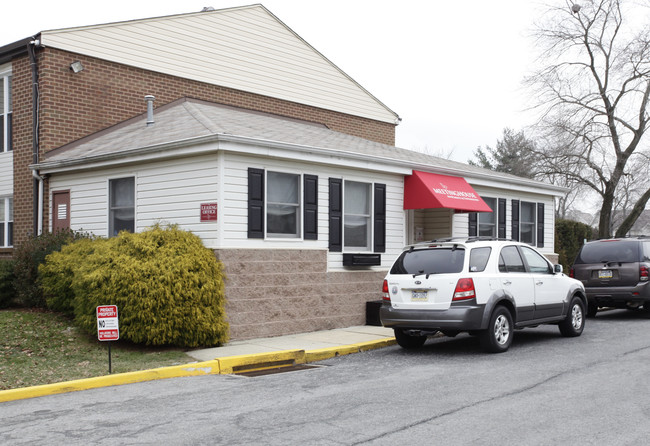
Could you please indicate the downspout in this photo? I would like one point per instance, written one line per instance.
(38, 180)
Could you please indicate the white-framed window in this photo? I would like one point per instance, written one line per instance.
(357, 216)
(487, 221)
(6, 222)
(527, 222)
(283, 204)
(5, 109)
(121, 205)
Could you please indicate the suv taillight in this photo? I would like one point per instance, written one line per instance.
(643, 273)
(572, 273)
(384, 290)
(464, 289)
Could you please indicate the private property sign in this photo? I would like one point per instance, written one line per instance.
(108, 327)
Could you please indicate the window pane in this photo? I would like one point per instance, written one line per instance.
(283, 204)
(510, 260)
(123, 220)
(10, 214)
(357, 232)
(10, 232)
(10, 108)
(527, 233)
(356, 198)
(478, 259)
(430, 261)
(282, 219)
(536, 262)
(283, 188)
(122, 192)
(122, 209)
(527, 212)
(356, 219)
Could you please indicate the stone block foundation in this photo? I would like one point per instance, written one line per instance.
(280, 292)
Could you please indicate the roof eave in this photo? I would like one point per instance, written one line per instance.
(196, 145)
(15, 49)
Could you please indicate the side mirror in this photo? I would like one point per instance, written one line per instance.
(557, 269)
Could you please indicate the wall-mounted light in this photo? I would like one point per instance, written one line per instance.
(76, 66)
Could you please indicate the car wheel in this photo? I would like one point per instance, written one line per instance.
(574, 322)
(498, 337)
(408, 341)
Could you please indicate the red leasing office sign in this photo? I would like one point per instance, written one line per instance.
(108, 327)
(208, 212)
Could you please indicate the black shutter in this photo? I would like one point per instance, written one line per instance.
(540, 225)
(255, 203)
(501, 222)
(380, 218)
(515, 220)
(310, 212)
(473, 224)
(335, 214)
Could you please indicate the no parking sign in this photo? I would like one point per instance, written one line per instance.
(108, 327)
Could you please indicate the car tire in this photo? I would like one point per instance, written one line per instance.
(574, 322)
(407, 341)
(498, 337)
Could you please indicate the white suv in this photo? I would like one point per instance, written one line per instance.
(485, 287)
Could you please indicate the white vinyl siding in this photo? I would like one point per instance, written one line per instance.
(460, 228)
(167, 192)
(7, 173)
(243, 48)
(235, 209)
(435, 223)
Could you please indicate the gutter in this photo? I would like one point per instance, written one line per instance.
(38, 180)
(330, 156)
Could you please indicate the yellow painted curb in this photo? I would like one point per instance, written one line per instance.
(225, 365)
(371, 345)
(329, 352)
(198, 368)
(260, 361)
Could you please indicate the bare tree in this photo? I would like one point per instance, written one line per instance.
(593, 91)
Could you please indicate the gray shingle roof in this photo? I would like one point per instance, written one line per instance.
(185, 121)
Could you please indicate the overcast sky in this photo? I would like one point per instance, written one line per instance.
(451, 70)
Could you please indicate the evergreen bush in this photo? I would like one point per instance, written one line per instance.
(569, 238)
(27, 258)
(169, 288)
(7, 291)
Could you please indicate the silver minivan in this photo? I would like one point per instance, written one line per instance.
(615, 273)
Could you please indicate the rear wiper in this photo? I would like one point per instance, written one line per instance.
(421, 273)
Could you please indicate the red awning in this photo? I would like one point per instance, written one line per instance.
(424, 190)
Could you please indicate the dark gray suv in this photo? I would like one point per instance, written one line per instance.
(615, 273)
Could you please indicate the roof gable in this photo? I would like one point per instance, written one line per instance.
(245, 48)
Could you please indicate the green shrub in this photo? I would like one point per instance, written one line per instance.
(7, 291)
(169, 288)
(28, 256)
(58, 271)
(569, 238)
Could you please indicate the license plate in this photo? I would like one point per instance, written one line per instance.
(605, 274)
(419, 296)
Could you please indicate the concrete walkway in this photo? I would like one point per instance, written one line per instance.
(235, 357)
(303, 341)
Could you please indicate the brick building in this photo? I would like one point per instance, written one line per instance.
(244, 108)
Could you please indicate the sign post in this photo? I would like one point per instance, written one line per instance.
(108, 327)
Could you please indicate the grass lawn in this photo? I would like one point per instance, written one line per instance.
(40, 347)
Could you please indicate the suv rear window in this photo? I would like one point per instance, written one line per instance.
(623, 251)
(430, 261)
